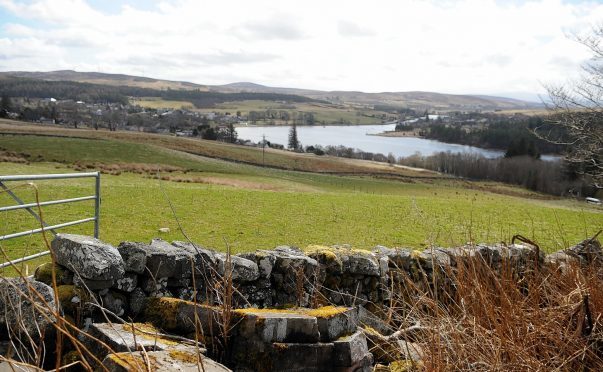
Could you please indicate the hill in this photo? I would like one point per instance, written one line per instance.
(414, 100)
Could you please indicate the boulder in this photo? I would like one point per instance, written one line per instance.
(589, 250)
(25, 307)
(43, 274)
(167, 261)
(243, 270)
(174, 314)
(88, 257)
(134, 256)
(136, 301)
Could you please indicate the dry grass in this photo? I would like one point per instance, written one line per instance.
(506, 319)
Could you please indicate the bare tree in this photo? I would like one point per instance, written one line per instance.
(576, 118)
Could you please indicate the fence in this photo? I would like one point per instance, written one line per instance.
(30, 208)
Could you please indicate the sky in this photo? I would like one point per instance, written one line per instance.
(500, 47)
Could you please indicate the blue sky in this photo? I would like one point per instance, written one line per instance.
(453, 46)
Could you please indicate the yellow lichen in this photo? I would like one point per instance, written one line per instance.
(184, 356)
(326, 311)
(321, 312)
(148, 332)
(278, 346)
(129, 361)
(405, 366)
(162, 311)
(415, 254)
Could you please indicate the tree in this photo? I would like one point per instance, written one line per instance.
(576, 119)
(293, 140)
(6, 104)
(231, 133)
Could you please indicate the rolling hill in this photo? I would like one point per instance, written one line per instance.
(415, 100)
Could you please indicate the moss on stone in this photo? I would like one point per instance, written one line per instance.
(326, 311)
(129, 361)
(184, 356)
(43, 273)
(162, 311)
(321, 312)
(71, 297)
(148, 332)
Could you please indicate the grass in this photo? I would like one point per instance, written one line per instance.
(242, 154)
(158, 103)
(323, 113)
(251, 207)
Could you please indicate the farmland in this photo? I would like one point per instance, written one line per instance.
(221, 203)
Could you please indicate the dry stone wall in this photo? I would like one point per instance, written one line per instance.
(322, 295)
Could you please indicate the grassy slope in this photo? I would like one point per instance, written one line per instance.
(273, 158)
(251, 207)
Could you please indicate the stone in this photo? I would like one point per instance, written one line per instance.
(166, 260)
(161, 361)
(243, 270)
(563, 258)
(88, 257)
(350, 351)
(115, 302)
(174, 314)
(93, 285)
(398, 258)
(7, 366)
(368, 319)
(589, 250)
(302, 357)
(73, 299)
(43, 274)
(150, 285)
(164, 230)
(264, 261)
(335, 322)
(272, 325)
(359, 262)
(136, 301)
(19, 314)
(204, 258)
(134, 256)
(127, 283)
(131, 337)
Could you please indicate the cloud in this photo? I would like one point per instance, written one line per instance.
(351, 29)
(459, 46)
(271, 29)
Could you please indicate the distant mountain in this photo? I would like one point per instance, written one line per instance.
(414, 100)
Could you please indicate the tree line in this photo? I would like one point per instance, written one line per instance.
(516, 136)
(99, 93)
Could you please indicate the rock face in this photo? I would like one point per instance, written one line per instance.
(20, 315)
(90, 258)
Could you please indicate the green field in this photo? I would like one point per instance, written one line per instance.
(158, 103)
(323, 113)
(220, 203)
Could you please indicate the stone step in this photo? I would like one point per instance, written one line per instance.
(161, 361)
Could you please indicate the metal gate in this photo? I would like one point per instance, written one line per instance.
(30, 207)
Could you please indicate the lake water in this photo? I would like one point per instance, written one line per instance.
(358, 137)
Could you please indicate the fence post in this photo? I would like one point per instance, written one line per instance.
(97, 202)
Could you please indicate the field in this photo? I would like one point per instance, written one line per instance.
(246, 207)
(158, 103)
(323, 113)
